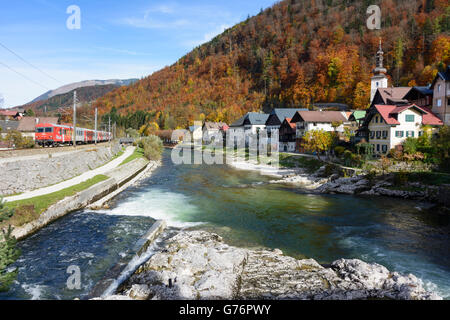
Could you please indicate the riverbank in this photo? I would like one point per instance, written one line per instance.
(332, 179)
(199, 265)
(118, 180)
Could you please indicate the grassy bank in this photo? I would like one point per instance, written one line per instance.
(29, 209)
(138, 153)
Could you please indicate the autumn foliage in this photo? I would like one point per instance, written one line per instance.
(296, 53)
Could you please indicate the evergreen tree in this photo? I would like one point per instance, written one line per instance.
(8, 255)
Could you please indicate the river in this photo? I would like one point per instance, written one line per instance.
(246, 211)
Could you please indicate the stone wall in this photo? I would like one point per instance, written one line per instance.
(26, 175)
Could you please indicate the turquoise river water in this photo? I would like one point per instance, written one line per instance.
(246, 211)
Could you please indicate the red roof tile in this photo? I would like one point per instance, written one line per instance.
(388, 113)
(293, 125)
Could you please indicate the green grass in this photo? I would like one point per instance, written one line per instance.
(29, 209)
(138, 153)
(293, 161)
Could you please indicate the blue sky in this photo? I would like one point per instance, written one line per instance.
(118, 39)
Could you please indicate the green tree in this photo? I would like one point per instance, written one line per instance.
(441, 143)
(317, 141)
(8, 251)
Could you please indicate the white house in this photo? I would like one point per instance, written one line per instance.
(390, 125)
(318, 120)
(250, 124)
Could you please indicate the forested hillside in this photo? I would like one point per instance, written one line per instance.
(294, 54)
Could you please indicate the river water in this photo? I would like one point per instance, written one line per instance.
(246, 211)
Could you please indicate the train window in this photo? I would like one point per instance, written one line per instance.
(39, 130)
(48, 129)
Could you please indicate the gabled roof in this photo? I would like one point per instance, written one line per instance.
(418, 92)
(8, 113)
(251, 118)
(390, 113)
(28, 124)
(282, 114)
(393, 95)
(215, 126)
(255, 118)
(357, 115)
(442, 75)
(288, 122)
(319, 116)
(239, 122)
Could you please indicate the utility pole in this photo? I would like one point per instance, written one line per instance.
(96, 112)
(74, 135)
(109, 128)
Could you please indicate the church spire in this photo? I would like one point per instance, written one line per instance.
(379, 79)
(379, 69)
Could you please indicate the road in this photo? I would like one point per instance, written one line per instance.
(74, 181)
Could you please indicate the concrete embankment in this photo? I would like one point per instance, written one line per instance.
(120, 272)
(118, 178)
(26, 173)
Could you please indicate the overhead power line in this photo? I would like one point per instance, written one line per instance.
(30, 64)
(24, 76)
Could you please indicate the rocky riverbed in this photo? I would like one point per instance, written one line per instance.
(199, 265)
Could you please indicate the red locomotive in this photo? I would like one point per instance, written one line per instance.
(54, 135)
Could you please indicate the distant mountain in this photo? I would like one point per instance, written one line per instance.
(87, 83)
(85, 95)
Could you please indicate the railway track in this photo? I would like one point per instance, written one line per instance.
(45, 150)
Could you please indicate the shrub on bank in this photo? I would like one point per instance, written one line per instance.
(152, 145)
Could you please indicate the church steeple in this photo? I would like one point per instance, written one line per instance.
(379, 79)
(379, 63)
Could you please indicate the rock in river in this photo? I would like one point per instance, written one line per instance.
(199, 265)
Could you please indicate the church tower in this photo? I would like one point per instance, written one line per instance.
(379, 79)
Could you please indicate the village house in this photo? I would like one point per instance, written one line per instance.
(250, 124)
(420, 96)
(212, 129)
(318, 120)
(274, 121)
(390, 125)
(441, 96)
(196, 133)
(287, 136)
(27, 125)
(10, 115)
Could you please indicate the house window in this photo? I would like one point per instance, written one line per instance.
(378, 134)
(410, 134)
(378, 148)
(439, 88)
(399, 134)
(385, 134)
(376, 119)
(378, 84)
(439, 102)
(409, 118)
(384, 148)
(315, 124)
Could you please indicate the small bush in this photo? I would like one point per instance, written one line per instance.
(339, 151)
(153, 147)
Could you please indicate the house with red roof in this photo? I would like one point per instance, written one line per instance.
(287, 136)
(390, 125)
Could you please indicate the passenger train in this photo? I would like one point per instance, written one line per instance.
(54, 135)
